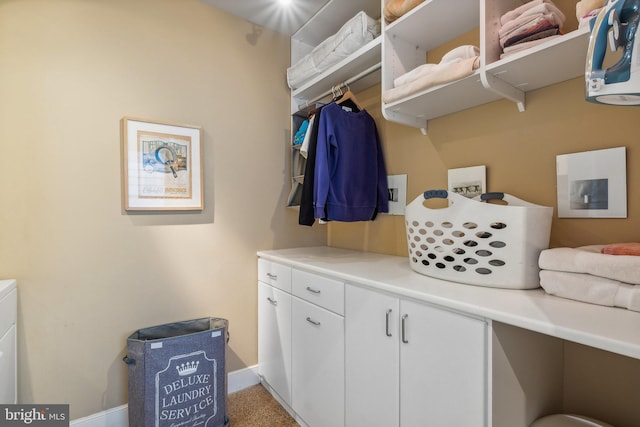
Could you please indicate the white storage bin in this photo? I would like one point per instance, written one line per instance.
(478, 243)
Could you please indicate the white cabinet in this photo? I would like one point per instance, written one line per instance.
(274, 339)
(8, 345)
(318, 364)
(407, 41)
(301, 342)
(411, 364)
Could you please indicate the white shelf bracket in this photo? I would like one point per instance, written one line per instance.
(503, 89)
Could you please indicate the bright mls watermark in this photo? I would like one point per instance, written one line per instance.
(34, 415)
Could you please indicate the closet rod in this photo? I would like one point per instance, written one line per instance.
(347, 82)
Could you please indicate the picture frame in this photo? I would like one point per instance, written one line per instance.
(592, 184)
(162, 166)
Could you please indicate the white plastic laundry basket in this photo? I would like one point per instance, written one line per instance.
(478, 243)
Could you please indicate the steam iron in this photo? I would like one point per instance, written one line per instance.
(617, 26)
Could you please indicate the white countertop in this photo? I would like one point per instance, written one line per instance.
(6, 286)
(608, 328)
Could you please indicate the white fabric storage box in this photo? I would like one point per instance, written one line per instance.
(354, 34)
(478, 243)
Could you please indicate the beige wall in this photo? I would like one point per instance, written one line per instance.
(88, 273)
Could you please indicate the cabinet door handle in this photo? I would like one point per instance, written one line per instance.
(313, 291)
(387, 322)
(313, 322)
(404, 331)
(272, 276)
(272, 301)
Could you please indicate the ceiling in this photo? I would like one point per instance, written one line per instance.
(271, 13)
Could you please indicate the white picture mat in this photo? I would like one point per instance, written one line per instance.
(133, 170)
(583, 177)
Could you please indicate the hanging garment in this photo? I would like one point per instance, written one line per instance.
(350, 173)
(306, 216)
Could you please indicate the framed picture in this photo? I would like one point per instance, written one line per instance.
(161, 165)
(468, 182)
(592, 184)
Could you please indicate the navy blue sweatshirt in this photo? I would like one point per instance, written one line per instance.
(350, 174)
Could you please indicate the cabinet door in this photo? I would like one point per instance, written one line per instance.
(8, 367)
(317, 365)
(443, 365)
(274, 339)
(372, 358)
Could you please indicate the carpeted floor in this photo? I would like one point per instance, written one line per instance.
(255, 407)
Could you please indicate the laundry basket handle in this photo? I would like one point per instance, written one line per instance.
(491, 196)
(436, 194)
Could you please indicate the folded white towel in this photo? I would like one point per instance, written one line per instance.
(460, 53)
(589, 260)
(591, 289)
(414, 74)
(444, 73)
(454, 55)
(546, 9)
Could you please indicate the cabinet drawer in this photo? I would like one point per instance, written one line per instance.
(274, 274)
(325, 292)
(8, 307)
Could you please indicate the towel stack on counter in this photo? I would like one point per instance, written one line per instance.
(598, 274)
(529, 25)
(454, 65)
(586, 10)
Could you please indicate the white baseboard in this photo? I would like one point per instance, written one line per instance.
(119, 417)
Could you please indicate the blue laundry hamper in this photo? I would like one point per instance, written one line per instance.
(177, 374)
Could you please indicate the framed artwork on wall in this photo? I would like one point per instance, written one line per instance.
(161, 165)
(592, 184)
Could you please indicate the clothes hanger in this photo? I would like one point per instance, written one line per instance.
(347, 98)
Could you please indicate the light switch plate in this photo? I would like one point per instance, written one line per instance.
(397, 194)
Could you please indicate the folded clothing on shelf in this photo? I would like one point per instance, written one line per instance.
(355, 33)
(586, 7)
(454, 65)
(535, 20)
(394, 9)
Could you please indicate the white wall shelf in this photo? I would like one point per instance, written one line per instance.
(407, 41)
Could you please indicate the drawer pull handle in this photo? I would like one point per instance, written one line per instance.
(272, 276)
(313, 322)
(272, 301)
(387, 322)
(313, 291)
(404, 332)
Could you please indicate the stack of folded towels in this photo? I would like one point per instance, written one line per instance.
(456, 64)
(598, 274)
(529, 25)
